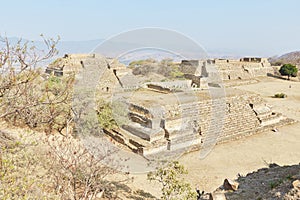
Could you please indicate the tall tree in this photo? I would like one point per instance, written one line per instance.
(288, 70)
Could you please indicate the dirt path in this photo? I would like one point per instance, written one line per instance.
(243, 156)
(248, 154)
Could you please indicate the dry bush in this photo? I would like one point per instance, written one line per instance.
(57, 167)
(22, 175)
(80, 173)
(27, 96)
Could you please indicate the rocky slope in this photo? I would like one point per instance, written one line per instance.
(273, 182)
(292, 57)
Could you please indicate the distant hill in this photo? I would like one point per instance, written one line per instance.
(292, 57)
(120, 49)
(64, 47)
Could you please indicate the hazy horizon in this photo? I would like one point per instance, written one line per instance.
(248, 28)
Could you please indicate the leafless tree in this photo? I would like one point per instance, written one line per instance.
(27, 96)
(75, 172)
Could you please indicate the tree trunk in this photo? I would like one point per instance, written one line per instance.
(0, 160)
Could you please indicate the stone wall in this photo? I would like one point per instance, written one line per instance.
(190, 124)
(171, 86)
(178, 84)
(189, 66)
(240, 69)
(73, 63)
(195, 80)
(228, 69)
(239, 116)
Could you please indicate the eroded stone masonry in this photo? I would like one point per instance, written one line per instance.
(173, 115)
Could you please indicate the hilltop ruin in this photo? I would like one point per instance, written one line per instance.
(170, 116)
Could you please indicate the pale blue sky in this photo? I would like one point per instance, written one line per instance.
(256, 27)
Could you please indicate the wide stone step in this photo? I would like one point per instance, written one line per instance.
(144, 133)
(272, 119)
(185, 138)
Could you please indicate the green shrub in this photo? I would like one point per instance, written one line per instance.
(276, 183)
(288, 70)
(280, 95)
(105, 115)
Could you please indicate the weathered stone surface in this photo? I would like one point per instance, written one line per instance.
(217, 196)
(230, 185)
(296, 184)
(100, 194)
(243, 69)
(244, 114)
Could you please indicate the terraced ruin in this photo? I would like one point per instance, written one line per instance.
(163, 117)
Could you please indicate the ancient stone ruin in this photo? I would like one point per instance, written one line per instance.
(171, 116)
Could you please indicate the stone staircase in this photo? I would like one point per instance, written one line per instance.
(266, 117)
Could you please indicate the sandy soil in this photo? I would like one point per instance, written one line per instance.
(248, 154)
